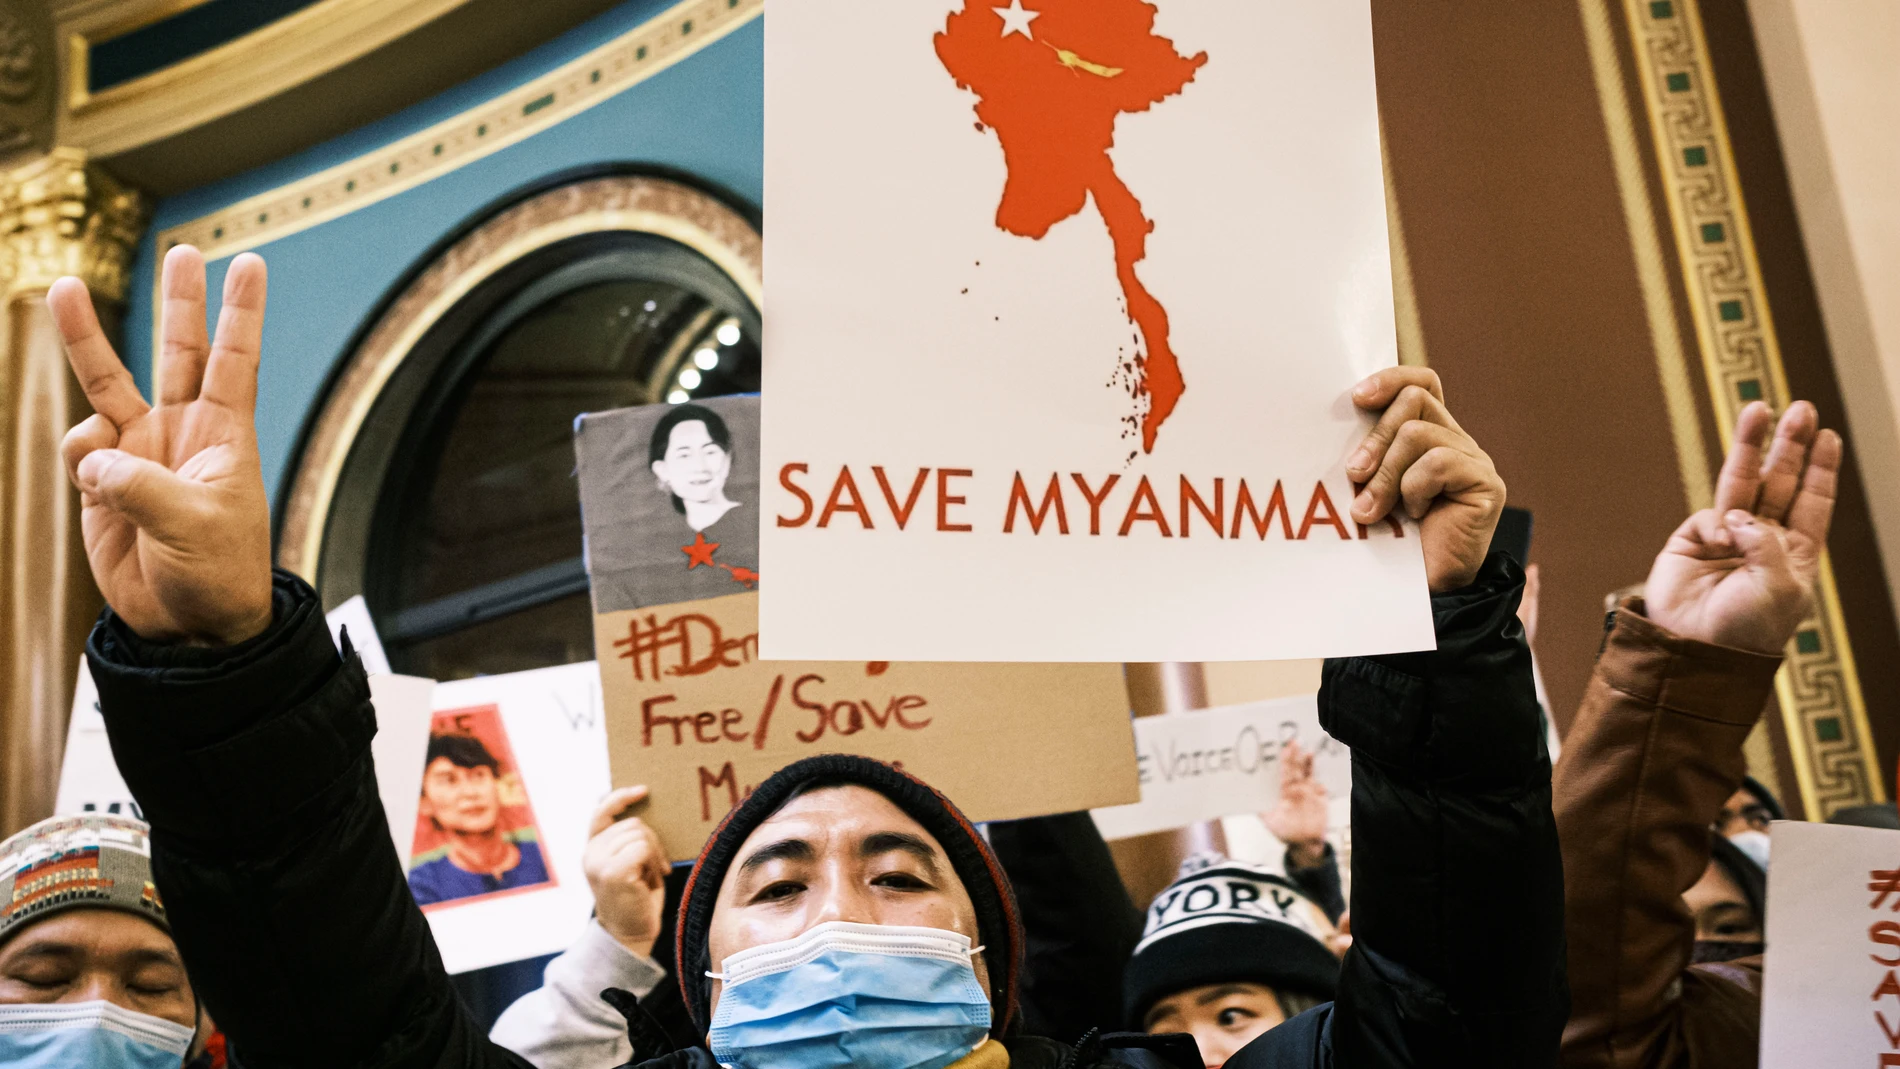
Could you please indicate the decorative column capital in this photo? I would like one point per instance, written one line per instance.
(60, 215)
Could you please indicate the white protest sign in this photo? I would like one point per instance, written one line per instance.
(404, 709)
(1214, 763)
(89, 779)
(1831, 984)
(1032, 399)
(546, 736)
(354, 614)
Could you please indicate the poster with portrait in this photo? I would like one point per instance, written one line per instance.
(669, 498)
(1068, 297)
(672, 501)
(475, 833)
(513, 768)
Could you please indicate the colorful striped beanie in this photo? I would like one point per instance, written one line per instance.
(95, 861)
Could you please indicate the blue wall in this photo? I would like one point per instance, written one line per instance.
(704, 116)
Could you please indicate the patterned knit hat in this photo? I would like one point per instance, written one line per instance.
(87, 862)
(1224, 921)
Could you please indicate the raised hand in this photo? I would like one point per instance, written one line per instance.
(176, 523)
(1298, 817)
(1419, 459)
(626, 867)
(1741, 574)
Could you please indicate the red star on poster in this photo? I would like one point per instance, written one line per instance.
(700, 552)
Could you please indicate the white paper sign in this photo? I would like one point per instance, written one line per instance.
(546, 730)
(1214, 763)
(89, 780)
(1032, 399)
(404, 709)
(354, 614)
(1831, 990)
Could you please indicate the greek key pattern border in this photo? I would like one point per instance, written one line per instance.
(560, 94)
(1818, 687)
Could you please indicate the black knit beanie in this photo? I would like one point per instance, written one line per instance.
(996, 917)
(1225, 921)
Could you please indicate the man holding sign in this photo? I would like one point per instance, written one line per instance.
(218, 680)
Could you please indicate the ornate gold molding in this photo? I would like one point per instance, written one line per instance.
(60, 216)
(562, 93)
(626, 203)
(286, 53)
(1818, 687)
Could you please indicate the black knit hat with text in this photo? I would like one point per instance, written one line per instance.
(1225, 921)
(997, 922)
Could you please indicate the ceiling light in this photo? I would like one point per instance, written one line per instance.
(729, 332)
(707, 359)
(676, 397)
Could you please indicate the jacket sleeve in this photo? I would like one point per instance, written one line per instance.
(1079, 924)
(565, 1024)
(1457, 912)
(1654, 752)
(1319, 881)
(271, 851)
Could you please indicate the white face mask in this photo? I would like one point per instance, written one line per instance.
(98, 1035)
(1754, 844)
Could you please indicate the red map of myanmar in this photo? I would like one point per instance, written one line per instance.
(1052, 80)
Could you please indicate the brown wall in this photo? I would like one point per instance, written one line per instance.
(1528, 294)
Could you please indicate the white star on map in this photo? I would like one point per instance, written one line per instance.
(1016, 19)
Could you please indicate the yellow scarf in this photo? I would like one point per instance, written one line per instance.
(991, 1055)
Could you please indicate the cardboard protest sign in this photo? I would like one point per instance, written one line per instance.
(1067, 298)
(513, 769)
(1214, 763)
(1831, 984)
(669, 495)
(89, 779)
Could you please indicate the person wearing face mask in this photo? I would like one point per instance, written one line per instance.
(844, 913)
(1745, 817)
(89, 975)
(1730, 905)
(1664, 913)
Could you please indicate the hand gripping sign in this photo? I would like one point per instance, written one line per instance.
(670, 501)
(1067, 298)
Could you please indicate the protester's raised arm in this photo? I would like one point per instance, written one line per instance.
(242, 734)
(1457, 887)
(1656, 748)
(565, 1023)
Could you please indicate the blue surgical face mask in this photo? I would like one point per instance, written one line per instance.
(846, 994)
(98, 1035)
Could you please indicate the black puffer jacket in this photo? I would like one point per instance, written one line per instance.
(269, 844)
(1457, 884)
(1458, 897)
